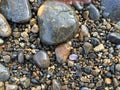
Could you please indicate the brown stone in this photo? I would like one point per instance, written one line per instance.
(62, 51)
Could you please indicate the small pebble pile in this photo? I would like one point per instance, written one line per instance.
(59, 44)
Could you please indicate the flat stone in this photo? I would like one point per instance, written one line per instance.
(42, 59)
(16, 10)
(5, 29)
(4, 73)
(57, 22)
(62, 51)
(112, 9)
(114, 38)
(11, 87)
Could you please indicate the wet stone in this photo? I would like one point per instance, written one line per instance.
(5, 29)
(114, 38)
(16, 10)
(57, 22)
(84, 88)
(112, 9)
(73, 57)
(42, 59)
(4, 73)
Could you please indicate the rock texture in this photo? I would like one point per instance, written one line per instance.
(57, 22)
(16, 10)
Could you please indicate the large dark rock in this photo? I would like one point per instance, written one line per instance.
(4, 73)
(112, 9)
(114, 38)
(42, 59)
(16, 10)
(57, 22)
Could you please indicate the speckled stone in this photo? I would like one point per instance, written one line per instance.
(42, 59)
(57, 22)
(4, 73)
(112, 9)
(16, 10)
(5, 29)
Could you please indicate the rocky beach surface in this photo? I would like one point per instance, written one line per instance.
(59, 44)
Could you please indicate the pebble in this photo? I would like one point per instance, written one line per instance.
(4, 73)
(57, 22)
(118, 46)
(34, 28)
(87, 47)
(77, 5)
(108, 80)
(56, 85)
(112, 9)
(11, 87)
(16, 34)
(84, 32)
(1, 41)
(98, 48)
(41, 59)
(16, 10)
(118, 88)
(5, 30)
(6, 58)
(25, 36)
(70, 63)
(95, 41)
(117, 67)
(21, 57)
(84, 88)
(86, 14)
(2, 86)
(73, 57)
(115, 82)
(94, 12)
(114, 38)
(117, 25)
(25, 82)
(61, 52)
(64, 87)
